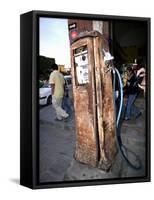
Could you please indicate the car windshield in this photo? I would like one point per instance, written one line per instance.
(42, 85)
(46, 86)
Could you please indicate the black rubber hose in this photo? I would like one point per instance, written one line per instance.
(122, 149)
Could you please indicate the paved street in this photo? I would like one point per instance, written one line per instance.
(57, 139)
(57, 142)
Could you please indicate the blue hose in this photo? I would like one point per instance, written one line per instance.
(121, 97)
(122, 149)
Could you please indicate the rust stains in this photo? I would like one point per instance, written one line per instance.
(94, 109)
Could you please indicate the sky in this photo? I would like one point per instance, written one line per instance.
(54, 40)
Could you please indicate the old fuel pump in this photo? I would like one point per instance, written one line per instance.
(93, 102)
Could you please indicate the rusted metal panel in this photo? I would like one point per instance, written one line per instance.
(105, 108)
(108, 122)
(99, 95)
(85, 111)
(94, 109)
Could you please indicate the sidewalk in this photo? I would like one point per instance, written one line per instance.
(57, 140)
(57, 143)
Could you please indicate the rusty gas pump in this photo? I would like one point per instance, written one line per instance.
(93, 102)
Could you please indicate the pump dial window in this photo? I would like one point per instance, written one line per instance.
(81, 65)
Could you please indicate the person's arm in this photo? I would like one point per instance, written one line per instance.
(51, 82)
(52, 88)
(141, 73)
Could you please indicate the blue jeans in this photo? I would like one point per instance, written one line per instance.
(131, 109)
(66, 104)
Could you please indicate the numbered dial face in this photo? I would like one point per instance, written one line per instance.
(81, 65)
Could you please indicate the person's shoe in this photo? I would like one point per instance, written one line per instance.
(138, 115)
(126, 118)
(66, 116)
(58, 119)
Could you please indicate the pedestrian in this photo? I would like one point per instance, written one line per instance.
(132, 91)
(66, 102)
(141, 73)
(57, 82)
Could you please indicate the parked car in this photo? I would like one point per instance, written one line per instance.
(45, 97)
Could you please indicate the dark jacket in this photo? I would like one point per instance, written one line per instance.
(132, 85)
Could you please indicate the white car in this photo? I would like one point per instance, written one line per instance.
(45, 97)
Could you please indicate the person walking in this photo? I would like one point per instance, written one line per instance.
(66, 102)
(57, 82)
(132, 92)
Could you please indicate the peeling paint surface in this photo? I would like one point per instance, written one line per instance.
(94, 110)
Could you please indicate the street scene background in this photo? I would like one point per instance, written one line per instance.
(57, 139)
